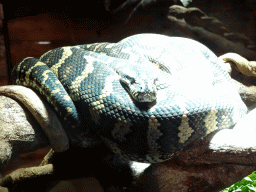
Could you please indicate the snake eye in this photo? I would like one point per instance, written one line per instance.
(130, 79)
(156, 81)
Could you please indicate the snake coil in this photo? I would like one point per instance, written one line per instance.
(194, 94)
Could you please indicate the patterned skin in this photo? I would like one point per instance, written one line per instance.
(146, 96)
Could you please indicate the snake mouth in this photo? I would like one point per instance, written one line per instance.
(146, 97)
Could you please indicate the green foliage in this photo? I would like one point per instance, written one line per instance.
(247, 184)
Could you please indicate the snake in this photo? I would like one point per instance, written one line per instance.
(146, 96)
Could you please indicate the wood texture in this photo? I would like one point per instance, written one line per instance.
(3, 62)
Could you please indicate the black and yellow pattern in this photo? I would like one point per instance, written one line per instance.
(146, 96)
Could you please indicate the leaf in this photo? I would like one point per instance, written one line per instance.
(251, 188)
(247, 179)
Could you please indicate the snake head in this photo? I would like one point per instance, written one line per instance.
(141, 90)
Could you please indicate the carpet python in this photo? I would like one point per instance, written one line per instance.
(146, 96)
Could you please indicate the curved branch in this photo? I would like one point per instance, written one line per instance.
(42, 112)
(19, 131)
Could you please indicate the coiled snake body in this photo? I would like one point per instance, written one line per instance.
(146, 96)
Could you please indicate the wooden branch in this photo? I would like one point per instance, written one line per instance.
(19, 131)
(42, 112)
(27, 124)
(243, 74)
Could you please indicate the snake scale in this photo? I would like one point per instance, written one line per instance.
(146, 96)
